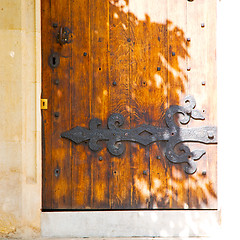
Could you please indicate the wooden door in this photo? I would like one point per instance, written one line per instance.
(132, 60)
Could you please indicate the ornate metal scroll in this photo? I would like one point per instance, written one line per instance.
(172, 134)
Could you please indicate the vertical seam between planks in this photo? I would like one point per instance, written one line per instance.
(91, 89)
(51, 119)
(187, 92)
(70, 112)
(109, 93)
(129, 103)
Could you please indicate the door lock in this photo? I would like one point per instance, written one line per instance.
(64, 35)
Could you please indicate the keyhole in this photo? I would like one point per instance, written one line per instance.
(54, 60)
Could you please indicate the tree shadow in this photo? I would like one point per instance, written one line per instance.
(158, 52)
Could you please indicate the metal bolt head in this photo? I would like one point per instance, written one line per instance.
(57, 172)
(55, 25)
(56, 82)
(210, 134)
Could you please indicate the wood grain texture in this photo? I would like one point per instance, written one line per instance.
(129, 57)
(46, 115)
(81, 102)
(120, 179)
(99, 32)
(178, 82)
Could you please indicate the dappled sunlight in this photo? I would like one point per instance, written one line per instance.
(142, 184)
(199, 190)
(157, 50)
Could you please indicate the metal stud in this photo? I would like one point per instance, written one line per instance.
(57, 172)
(100, 158)
(189, 39)
(203, 83)
(56, 82)
(56, 114)
(55, 25)
(202, 25)
(129, 39)
(158, 68)
(114, 83)
(85, 54)
(189, 68)
(210, 134)
(204, 172)
(144, 172)
(158, 158)
(173, 53)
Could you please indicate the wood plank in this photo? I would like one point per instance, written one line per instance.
(120, 178)
(177, 82)
(202, 80)
(81, 102)
(46, 39)
(139, 68)
(211, 23)
(157, 106)
(99, 40)
(61, 162)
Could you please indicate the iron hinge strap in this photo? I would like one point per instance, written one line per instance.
(173, 135)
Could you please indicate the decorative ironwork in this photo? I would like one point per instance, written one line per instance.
(172, 134)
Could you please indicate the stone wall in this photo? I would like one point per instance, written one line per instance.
(20, 116)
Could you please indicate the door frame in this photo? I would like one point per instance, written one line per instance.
(110, 223)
